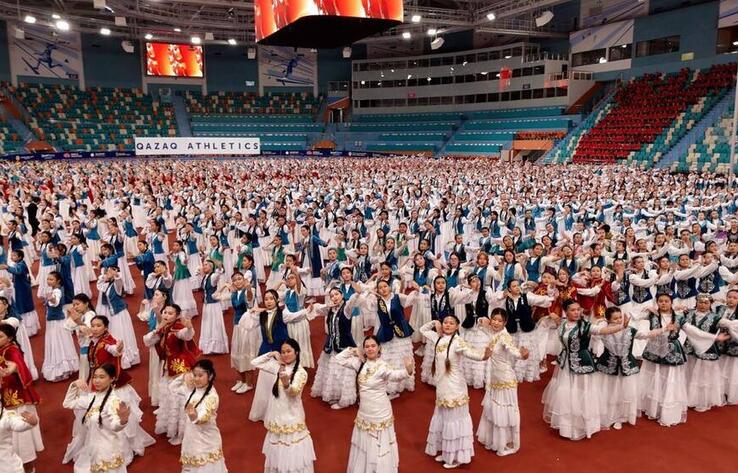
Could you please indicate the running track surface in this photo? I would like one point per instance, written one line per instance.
(705, 443)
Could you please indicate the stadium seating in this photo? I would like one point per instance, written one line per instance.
(10, 142)
(283, 121)
(712, 151)
(93, 119)
(652, 113)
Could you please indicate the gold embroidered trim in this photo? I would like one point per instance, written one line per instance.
(367, 373)
(210, 409)
(201, 460)
(278, 429)
(362, 424)
(297, 385)
(12, 399)
(508, 385)
(178, 366)
(452, 403)
(292, 442)
(99, 467)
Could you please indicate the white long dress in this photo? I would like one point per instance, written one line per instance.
(500, 421)
(475, 336)
(451, 433)
(10, 422)
(202, 447)
(373, 441)
(288, 446)
(100, 446)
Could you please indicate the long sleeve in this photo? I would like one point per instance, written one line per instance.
(346, 358)
(13, 422)
(700, 340)
(74, 399)
(266, 362)
(151, 338)
(429, 331)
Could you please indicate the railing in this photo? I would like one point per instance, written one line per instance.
(571, 75)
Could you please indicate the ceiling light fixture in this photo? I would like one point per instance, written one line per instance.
(232, 42)
(432, 31)
(30, 19)
(105, 31)
(177, 30)
(491, 16)
(407, 35)
(62, 25)
(148, 36)
(55, 16)
(196, 40)
(416, 18)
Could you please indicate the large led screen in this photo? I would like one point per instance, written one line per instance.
(273, 15)
(174, 60)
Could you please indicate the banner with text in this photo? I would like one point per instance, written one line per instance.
(196, 146)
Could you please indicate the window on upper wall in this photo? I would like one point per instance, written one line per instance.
(653, 47)
(620, 52)
(727, 40)
(588, 57)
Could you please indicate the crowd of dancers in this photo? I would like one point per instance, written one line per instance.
(475, 274)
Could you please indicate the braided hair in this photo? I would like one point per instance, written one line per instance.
(447, 365)
(207, 366)
(110, 370)
(295, 346)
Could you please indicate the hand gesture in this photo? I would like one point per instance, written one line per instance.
(191, 412)
(524, 353)
(487, 352)
(123, 412)
(626, 320)
(437, 326)
(119, 347)
(81, 385)
(722, 337)
(189, 380)
(187, 322)
(409, 364)
(276, 355)
(670, 327)
(29, 417)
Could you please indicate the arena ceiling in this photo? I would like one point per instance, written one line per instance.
(179, 20)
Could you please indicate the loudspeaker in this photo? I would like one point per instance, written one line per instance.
(127, 46)
(251, 53)
(20, 34)
(437, 43)
(347, 52)
(98, 4)
(120, 21)
(544, 18)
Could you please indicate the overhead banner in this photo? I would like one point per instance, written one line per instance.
(287, 67)
(196, 146)
(45, 52)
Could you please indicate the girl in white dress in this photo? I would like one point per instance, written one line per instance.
(78, 320)
(729, 353)
(571, 401)
(499, 426)
(292, 294)
(451, 434)
(619, 371)
(60, 356)
(213, 336)
(662, 390)
(182, 288)
(21, 334)
(288, 447)
(80, 271)
(244, 342)
(10, 422)
(202, 447)
(334, 382)
(104, 419)
(373, 441)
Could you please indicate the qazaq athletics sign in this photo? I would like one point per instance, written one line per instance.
(196, 146)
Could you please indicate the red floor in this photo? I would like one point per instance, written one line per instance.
(706, 443)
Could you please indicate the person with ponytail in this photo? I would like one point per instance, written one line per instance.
(391, 329)
(18, 394)
(202, 446)
(499, 425)
(60, 356)
(100, 445)
(7, 316)
(441, 306)
(173, 339)
(104, 349)
(288, 446)
(12, 423)
(373, 441)
(271, 320)
(78, 320)
(477, 299)
(451, 434)
(572, 399)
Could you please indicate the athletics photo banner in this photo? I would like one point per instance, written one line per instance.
(196, 146)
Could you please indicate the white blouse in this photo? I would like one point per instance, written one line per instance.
(284, 414)
(500, 372)
(451, 388)
(10, 422)
(201, 442)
